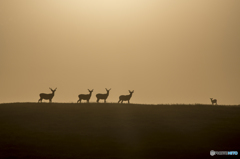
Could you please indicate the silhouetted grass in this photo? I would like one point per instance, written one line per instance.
(91, 130)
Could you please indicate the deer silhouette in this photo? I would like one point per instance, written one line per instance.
(213, 101)
(125, 97)
(103, 96)
(85, 96)
(47, 96)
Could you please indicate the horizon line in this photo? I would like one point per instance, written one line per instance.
(121, 103)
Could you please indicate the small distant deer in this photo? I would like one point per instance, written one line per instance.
(103, 96)
(125, 97)
(213, 101)
(85, 96)
(47, 96)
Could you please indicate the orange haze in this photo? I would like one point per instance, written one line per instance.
(166, 51)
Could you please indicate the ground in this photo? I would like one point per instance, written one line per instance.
(120, 131)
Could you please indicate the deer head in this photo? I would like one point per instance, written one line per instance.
(53, 90)
(131, 92)
(108, 89)
(90, 91)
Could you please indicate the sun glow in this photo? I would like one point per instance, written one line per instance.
(115, 5)
(106, 7)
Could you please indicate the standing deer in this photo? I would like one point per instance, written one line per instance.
(213, 101)
(125, 97)
(103, 96)
(85, 96)
(47, 96)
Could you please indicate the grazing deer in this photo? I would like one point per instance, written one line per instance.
(47, 96)
(125, 97)
(213, 101)
(85, 96)
(103, 96)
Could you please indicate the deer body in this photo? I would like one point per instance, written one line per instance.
(103, 96)
(47, 96)
(213, 101)
(85, 96)
(125, 97)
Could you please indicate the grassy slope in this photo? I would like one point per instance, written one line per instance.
(32, 130)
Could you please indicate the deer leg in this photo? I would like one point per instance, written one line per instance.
(97, 100)
(40, 100)
(128, 101)
(122, 101)
(104, 100)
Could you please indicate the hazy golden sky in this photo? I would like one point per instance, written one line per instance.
(167, 51)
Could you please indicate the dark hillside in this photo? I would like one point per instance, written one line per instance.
(67, 130)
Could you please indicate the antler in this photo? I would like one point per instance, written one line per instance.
(131, 91)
